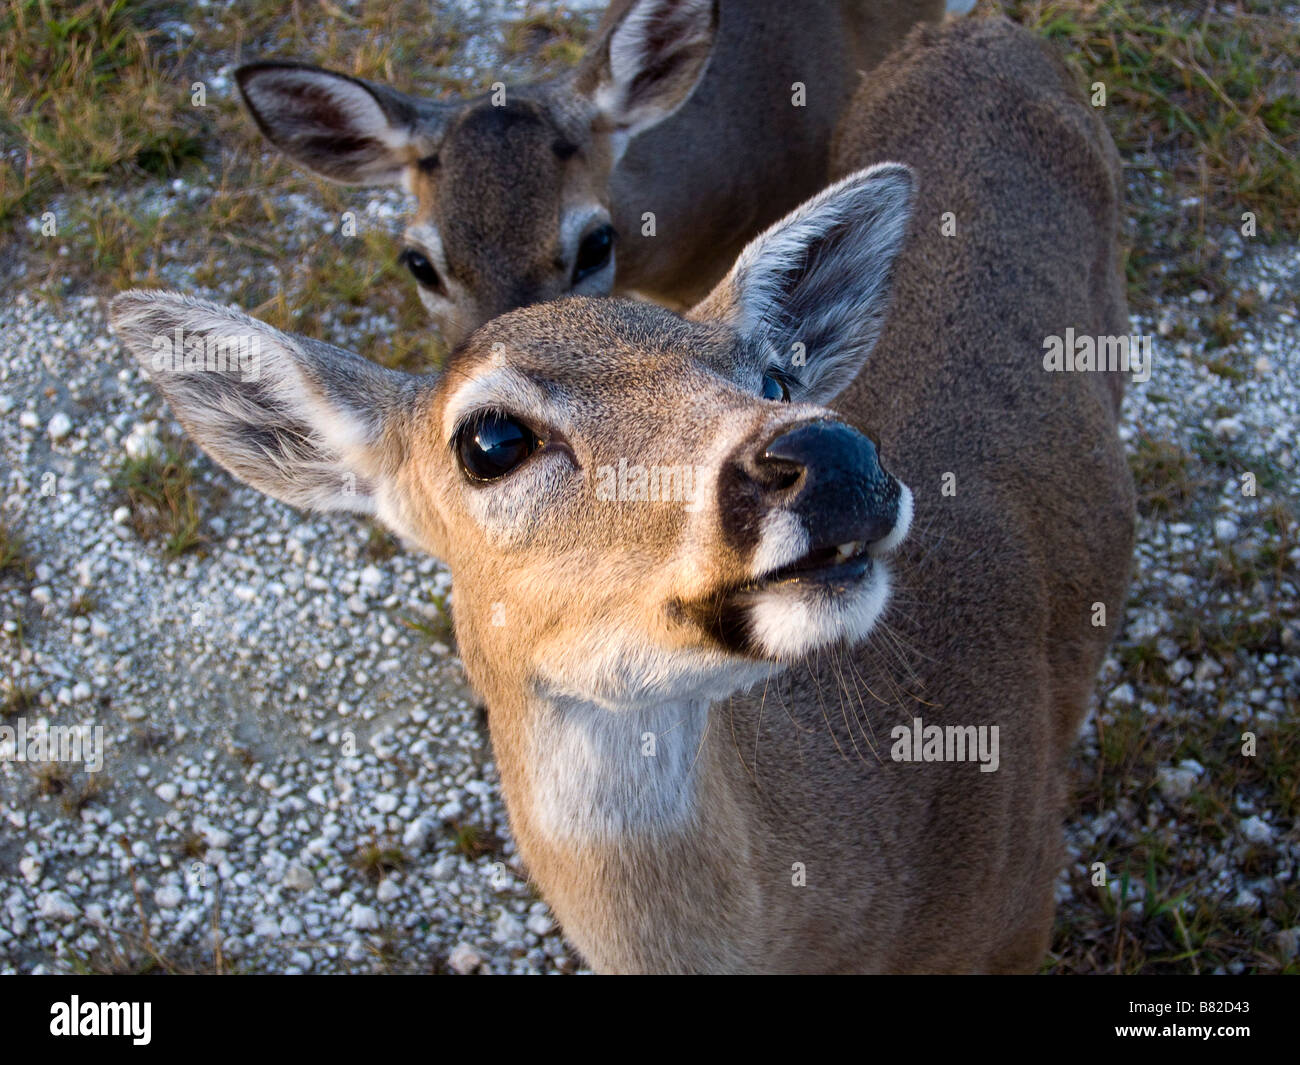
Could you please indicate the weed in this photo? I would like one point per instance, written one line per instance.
(160, 489)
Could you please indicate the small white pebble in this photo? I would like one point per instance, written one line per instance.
(1257, 830)
(169, 896)
(464, 959)
(363, 918)
(59, 427)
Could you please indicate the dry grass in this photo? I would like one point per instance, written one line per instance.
(1164, 475)
(1203, 101)
(87, 100)
(161, 490)
(375, 859)
(14, 559)
(18, 700)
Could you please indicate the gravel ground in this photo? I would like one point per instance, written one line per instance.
(294, 769)
(292, 763)
(285, 759)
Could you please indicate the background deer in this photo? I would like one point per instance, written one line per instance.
(692, 704)
(544, 195)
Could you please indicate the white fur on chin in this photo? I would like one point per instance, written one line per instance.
(789, 622)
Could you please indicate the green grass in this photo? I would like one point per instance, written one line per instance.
(1164, 474)
(88, 99)
(1180, 924)
(1160, 848)
(1228, 458)
(435, 627)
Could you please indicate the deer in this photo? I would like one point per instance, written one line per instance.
(688, 127)
(700, 688)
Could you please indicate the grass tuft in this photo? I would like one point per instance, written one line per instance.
(17, 701)
(161, 491)
(1203, 100)
(375, 859)
(86, 99)
(14, 559)
(1162, 472)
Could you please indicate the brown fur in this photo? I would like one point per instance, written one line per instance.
(738, 156)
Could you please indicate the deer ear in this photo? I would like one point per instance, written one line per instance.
(813, 291)
(340, 127)
(647, 64)
(302, 421)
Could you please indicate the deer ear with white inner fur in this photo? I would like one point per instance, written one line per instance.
(813, 290)
(304, 422)
(648, 65)
(338, 126)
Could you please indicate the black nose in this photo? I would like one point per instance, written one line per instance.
(827, 473)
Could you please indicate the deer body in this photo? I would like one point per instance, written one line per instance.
(694, 707)
(689, 126)
(740, 152)
(920, 867)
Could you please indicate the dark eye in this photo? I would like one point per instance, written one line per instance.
(593, 252)
(492, 445)
(775, 389)
(421, 269)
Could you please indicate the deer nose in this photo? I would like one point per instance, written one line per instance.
(828, 474)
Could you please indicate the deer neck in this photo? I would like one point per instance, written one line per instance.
(610, 774)
(629, 821)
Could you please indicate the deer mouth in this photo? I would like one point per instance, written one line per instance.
(826, 595)
(831, 593)
(843, 564)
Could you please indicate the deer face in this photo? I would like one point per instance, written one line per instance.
(511, 187)
(512, 210)
(634, 505)
(644, 497)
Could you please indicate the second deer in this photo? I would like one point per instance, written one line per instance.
(688, 127)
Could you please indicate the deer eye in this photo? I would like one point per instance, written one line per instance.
(775, 389)
(593, 252)
(421, 269)
(491, 445)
